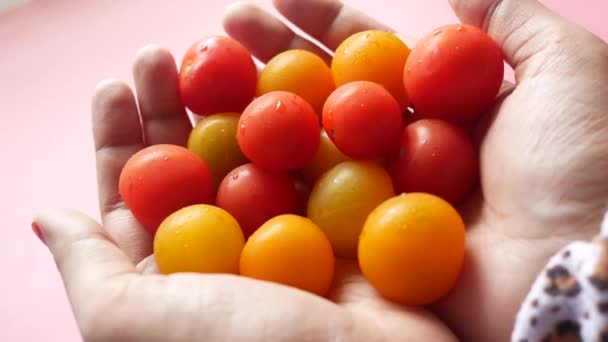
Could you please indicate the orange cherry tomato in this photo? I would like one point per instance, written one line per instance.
(291, 250)
(412, 248)
(375, 56)
(199, 238)
(300, 72)
(342, 198)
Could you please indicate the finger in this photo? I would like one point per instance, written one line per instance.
(328, 21)
(117, 136)
(529, 33)
(84, 253)
(263, 34)
(164, 118)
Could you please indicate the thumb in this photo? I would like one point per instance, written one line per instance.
(532, 37)
(83, 251)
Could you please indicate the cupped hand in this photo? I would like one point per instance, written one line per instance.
(543, 149)
(110, 276)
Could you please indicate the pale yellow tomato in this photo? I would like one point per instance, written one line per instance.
(342, 198)
(327, 156)
(214, 139)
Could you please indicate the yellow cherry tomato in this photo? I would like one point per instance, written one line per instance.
(214, 139)
(342, 198)
(375, 56)
(412, 248)
(290, 250)
(300, 72)
(199, 238)
(327, 156)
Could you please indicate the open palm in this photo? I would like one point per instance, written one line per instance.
(543, 153)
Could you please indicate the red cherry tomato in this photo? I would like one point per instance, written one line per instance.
(362, 119)
(254, 195)
(434, 157)
(279, 131)
(217, 75)
(454, 73)
(303, 189)
(161, 179)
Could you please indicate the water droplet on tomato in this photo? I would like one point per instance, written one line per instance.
(280, 106)
(419, 61)
(366, 36)
(459, 28)
(165, 158)
(364, 91)
(235, 176)
(204, 48)
(437, 32)
(409, 69)
(362, 105)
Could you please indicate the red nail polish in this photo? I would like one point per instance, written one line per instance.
(38, 232)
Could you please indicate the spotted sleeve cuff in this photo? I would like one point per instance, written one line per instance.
(569, 299)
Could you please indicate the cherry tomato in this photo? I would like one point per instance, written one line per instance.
(214, 139)
(375, 56)
(303, 189)
(217, 75)
(290, 250)
(412, 248)
(254, 195)
(436, 157)
(300, 72)
(279, 131)
(160, 179)
(362, 119)
(327, 156)
(199, 238)
(343, 197)
(454, 73)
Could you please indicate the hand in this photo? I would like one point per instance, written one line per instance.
(111, 279)
(543, 153)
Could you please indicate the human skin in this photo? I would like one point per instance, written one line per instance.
(543, 156)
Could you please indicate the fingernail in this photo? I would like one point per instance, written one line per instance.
(36, 229)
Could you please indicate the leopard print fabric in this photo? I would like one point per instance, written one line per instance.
(569, 299)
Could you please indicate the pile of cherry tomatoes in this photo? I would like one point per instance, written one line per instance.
(301, 163)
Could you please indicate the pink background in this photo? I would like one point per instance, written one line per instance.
(52, 53)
